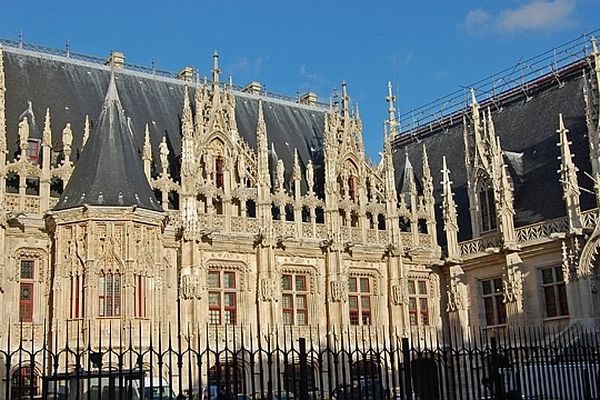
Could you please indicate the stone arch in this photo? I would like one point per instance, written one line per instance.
(25, 381)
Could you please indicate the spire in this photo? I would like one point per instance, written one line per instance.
(67, 139)
(147, 153)
(263, 149)
(427, 179)
(109, 172)
(449, 213)
(47, 132)
(568, 177)
(215, 70)
(392, 123)
(345, 101)
(296, 173)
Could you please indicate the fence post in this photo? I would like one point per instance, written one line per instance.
(303, 389)
(407, 368)
(496, 376)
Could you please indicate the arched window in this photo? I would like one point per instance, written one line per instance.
(219, 175)
(352, 188)
(109, 294)
(24, 383)
(487, 206)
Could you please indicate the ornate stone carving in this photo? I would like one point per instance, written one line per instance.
(338, 291)
(191, 287)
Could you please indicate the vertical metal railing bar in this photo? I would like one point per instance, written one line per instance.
(278, 373)
(252, 362)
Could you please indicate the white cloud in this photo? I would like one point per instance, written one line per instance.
(477, 19)
(537, 15)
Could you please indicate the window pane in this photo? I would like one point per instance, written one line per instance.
(559, 274)
(302, 318)
(229, 317)
(214, 317)
(214, 299)
(213, 279)
(498, 287)
(300, 283)
(353, 302)
(288, 317)
(354, 317)
(413, 319)
(26, 269)
(550, 298)
(366, 318)
(411, 287)
(364, 285)
(352, 285)
(286, 301)
(301, 302)
(101, 284)
(547, 276)
(229, 299)
(286, 282)
(423, 305)
(365, 303)
(501, 310)
(422, 287)
(487, 287)
(562, 299)
(229, 280)
(488, 304)
(26, 291)
(412, 304)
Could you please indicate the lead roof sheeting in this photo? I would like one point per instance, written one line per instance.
(72, 90)
(527, 131)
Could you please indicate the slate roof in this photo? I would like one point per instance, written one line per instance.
(109, 171)
(527, 131)
(73, 89)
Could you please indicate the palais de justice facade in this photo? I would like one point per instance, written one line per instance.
(135, 197)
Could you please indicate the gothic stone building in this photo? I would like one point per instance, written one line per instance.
(133, 197)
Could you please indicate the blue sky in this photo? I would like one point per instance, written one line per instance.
(426, 48)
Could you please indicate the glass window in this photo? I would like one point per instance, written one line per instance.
(554, 291)
(359, 300)
(493, 301)
(418, 302)
(109, 294)
(222, 297)
(294, 299)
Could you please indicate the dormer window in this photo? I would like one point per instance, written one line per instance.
(487, 207)
(33, 151)
(219, 176)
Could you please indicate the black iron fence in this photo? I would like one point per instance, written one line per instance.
(103, 361)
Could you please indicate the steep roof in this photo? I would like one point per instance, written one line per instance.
(73, 89)
(527, 128)
(109, 171)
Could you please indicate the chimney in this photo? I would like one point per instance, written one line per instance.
(186, 74)
(117, 59)
(252, 88)
(309, 98)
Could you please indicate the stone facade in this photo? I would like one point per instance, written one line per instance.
(246, 238)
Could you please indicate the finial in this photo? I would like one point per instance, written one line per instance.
(147, 146)
(473, 98)
(215, 71)
(561, 124)
(391, 108)
(47, 133)
(594, 45)
(345, 98)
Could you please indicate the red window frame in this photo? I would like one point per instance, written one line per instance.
(222, 297)
(33, 151)
(359, 300)
(294, 293)
(26, 290)
(219, 173)
(77, 296)
(109, 295)
(418, 302)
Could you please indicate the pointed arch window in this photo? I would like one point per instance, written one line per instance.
(487, 206)
(352, 187)
(109, 294)
(219, 174)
